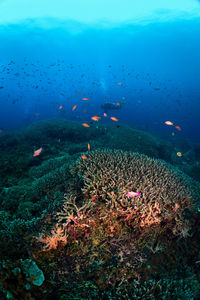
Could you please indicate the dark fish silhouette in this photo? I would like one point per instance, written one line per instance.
(109, 106)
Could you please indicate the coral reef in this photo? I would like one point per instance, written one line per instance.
(113, 243)
(139, 290)
(165, 192)
(69, 219)
(20, 280)
(129, 139)
(48, 166)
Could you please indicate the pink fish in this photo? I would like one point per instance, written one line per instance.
(37, 152)
(132, 194)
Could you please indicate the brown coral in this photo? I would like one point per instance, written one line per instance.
(165, 192)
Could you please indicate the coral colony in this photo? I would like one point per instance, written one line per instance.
(107, 176)
(110, 225)
(102, 225)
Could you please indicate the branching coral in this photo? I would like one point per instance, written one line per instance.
(104, 234)
(71, 224)
(165, 192)
(71, 211)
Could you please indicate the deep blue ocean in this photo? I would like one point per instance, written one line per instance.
(99, 156)
(157, 64)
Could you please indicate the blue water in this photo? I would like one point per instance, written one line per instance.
(158, 65)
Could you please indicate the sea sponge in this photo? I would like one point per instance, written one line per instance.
(165, 192)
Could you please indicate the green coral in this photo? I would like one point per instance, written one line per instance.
(16, 195)
(21, 279)
(32, 271)
(162, 289)
(165, 289)
(51, 181)
(49, 166)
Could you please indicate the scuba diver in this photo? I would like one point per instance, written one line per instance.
(110, 106)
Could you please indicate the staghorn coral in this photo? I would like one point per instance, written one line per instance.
(70, 209)
(104, 236)
(70, 223)
(157, 289)
(165, 192)
(164, 289)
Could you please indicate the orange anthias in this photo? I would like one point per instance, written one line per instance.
(74, 107)
(178, 127)
(95, 118)
(169, 123)
(85, 125)
(114, 119)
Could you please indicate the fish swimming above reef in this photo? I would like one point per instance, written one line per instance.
(37, 152)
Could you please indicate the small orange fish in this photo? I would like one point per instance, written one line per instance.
(83, 157)
(85, 98)
(114, 119)
(117, 103)
(88, 145)
(37, 152)
(85, 125)
(119, 83)
(178, 127)
(60, 107)
(84, 110)
(105, 115)
(95, 118)
(74, 107)
(169, 123)
(179, 154)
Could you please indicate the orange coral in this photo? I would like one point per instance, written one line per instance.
(55, 239)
